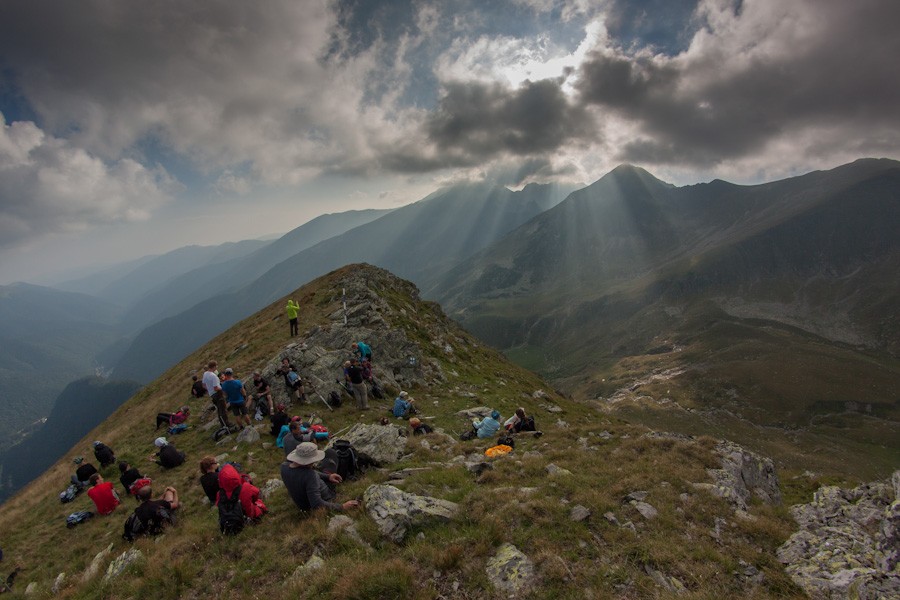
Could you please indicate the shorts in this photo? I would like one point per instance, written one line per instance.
(238, 409)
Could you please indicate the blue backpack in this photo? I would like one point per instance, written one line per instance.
(78, 517)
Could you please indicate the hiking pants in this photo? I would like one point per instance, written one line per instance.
(361, 394)
(219, 400)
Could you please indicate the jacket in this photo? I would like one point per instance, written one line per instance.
(229, 479)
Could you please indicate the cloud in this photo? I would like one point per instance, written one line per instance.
(483, 120)
(754, 78)
(48, 186)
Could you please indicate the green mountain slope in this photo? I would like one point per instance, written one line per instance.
(690, 540)
(631, 276)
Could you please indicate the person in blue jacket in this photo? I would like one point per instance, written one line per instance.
(488, 426)
(365, 352)
(403, 406)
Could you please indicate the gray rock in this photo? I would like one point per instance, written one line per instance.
(538, 394)
(58, 584)
(477, 412)
(636, 496)
(31, 588)
(404, 473)
(847, 545)
(270, 487)
(743, 475)
(94, 568)
(343, 523)
(314, 563)
(579, 513)
(555, 471)
(551, 408)
(248, 435)
(562, 424)
(669, 583)
(611, 518)
(510, 571)
(647, 511)
(121, 562)
(479, 466)
(384, 444)
(395, 511)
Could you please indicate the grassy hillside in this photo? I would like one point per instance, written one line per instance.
(696, 538)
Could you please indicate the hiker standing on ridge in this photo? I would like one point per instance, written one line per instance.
(214, 389)
(237, 398)
(292, 308)
(358, 384)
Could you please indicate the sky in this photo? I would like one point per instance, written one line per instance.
(134, 127)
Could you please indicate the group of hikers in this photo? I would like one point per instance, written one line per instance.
(310, 475)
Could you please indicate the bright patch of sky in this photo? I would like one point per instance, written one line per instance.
(160, 124)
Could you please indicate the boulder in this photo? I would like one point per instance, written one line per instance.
(579, 513)
(94, 567)
(121, 562)
(477, 412)
(58, 584)
(271, 486)
(248, 435)
(395, 511)
(31, 588)
(382, 444)
(743, 475)
(847, 544)
(343, 523)
(510, 571)
(556, 471)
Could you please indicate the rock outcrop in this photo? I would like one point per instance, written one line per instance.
(382, 444)
(395, 511)
(743, 475)
(510, 571)
(848, 545)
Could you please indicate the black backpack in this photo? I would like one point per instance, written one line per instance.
(78, 517)
(334, 399)
(134, 527)
(377, 391)
(69, 494)
(231, 513)
(526, 424)
(345, 457)
(506, 440)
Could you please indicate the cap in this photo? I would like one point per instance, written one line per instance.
(228, 371)
(404, 394)
(160, 442)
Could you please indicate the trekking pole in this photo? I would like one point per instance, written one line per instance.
(316, 392)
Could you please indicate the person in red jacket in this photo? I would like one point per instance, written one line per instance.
(253, 507)
(102, 493)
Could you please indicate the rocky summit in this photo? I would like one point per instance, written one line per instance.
(591, 507)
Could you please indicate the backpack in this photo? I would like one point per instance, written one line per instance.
(334, 399)
(134, 527)
(293, 377)
(377, 391)
(506, 440)
(231, 513)
(177, 428)
(347, 461)
(69, 493)
(78, 517)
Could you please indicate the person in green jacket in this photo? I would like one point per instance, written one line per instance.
(292, 308)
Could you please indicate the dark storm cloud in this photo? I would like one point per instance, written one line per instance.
(734, 93)
(479, 120)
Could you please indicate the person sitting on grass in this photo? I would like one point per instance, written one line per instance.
(129, 476)
(156, 514)
(403, 406)
(279, 419)
(104, 454)
(420, 428)
(176, 418)
(104, 496)
(168, 456)
(209, 480)
(519, 422)
(485, 428)
(229, 480)
(308, 487)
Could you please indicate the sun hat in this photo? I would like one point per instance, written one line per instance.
(306, 453)
(404, 394)
(160, 442)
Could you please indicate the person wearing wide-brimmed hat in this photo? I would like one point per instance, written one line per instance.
(309, 488)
